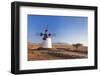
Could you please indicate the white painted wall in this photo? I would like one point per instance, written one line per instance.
(5, 41)
(47, 43)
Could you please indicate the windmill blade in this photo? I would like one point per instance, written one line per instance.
(45, 27)
(53, 34)
(37, 34)
(41, 34)
(49, 34)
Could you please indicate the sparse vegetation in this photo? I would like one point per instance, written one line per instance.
(59, 51)
(77, 45)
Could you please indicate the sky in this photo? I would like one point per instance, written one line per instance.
(67, 29)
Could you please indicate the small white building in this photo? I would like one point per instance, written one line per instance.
(47, 43)
(46, 37)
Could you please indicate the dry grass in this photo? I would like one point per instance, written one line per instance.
(59, 51)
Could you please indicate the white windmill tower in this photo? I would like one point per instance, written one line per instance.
(46, 39)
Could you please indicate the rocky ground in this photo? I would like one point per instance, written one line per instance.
(35, 52)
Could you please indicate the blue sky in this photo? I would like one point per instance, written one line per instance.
(68, 29)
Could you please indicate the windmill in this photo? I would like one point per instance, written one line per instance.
(46, 38)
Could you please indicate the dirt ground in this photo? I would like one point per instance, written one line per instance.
(59, 51)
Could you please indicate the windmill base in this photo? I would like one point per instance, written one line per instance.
(47, 43)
